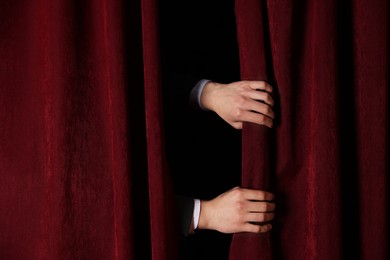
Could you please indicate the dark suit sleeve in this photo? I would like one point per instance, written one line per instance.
(186, 208)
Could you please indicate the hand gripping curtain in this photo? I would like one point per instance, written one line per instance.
(325, 158)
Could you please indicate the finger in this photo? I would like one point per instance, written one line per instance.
(260, 108)
(256, 118)
(259, 217)
(253, 228)
(258, 195)
(260, 85)
(256, 206)
(261, 96)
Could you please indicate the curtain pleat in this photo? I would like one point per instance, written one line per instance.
(256, 140)
(163, 215)
(370, 22)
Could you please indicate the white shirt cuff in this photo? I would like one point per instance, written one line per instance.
(196, 213)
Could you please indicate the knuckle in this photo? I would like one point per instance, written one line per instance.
(261, 119)
(238, 113)
(261, 195)
(237, 193)
(265, 228)
(240, 101)
(268, 110)
(261, 218)
(267, 98)
(258, 229)
(245, 82)
(240, 205)
(239, 219)
(236, 218)
(266, 121)
(245, 85)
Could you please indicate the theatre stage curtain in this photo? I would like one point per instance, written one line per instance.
(326, 157)
(82, 167)
(82, 172)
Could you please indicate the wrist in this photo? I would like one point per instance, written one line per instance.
(208, 93)
(204, 216)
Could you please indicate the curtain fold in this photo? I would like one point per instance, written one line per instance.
(163, 214)
(251, 34)
(370, 21)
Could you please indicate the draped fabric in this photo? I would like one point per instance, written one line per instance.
(83, 173)
(326, 157)
(64, 157)
(81, 152)
(163, 220)
(255, 139)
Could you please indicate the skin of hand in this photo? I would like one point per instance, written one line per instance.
(241, 101)
(238, 210)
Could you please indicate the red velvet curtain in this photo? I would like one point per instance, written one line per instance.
(82, 167)
(326, 158)
(82, 172)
